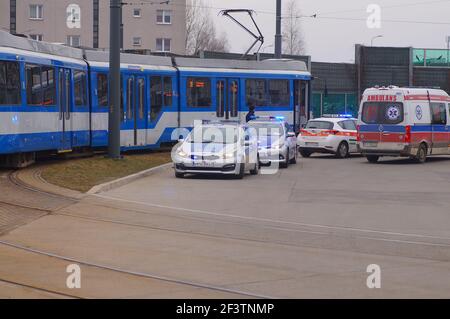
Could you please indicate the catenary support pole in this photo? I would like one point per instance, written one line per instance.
(114, 80)
(278, 38)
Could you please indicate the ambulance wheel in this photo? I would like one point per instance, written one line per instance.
(342, 151)
(179, 175)
(372, 158)
(421, 156)
(305, 153)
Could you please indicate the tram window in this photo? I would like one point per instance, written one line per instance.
(279, 94)
(9, 83)
(156, 97)
(130, 100)
(48, 85)
(34, 84)
(255, 92)
(167, 91)
(102, 89)
(141, 97)
(198, 92)
(79, 79)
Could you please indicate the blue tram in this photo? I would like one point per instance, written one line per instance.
(55, 98)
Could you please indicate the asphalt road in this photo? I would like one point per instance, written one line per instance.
(307, 231)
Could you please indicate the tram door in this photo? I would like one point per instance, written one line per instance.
(227, 98)
(134, 117)
(300, 102)
(65, 109)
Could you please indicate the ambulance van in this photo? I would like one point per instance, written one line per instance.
(407, 122)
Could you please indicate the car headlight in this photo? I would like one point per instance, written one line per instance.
(277, 146)
(182, 153)
(229, 155)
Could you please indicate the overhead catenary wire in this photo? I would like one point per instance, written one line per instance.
(317, 16)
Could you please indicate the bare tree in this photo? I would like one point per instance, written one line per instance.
(201, 32)
(293, 42)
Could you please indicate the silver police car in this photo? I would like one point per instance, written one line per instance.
(222, 147)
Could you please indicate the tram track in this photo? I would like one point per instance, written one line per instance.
(39, 289)
(9, 205)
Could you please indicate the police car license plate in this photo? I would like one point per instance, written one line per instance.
(370, 144)
(312, 144)
(202, 164)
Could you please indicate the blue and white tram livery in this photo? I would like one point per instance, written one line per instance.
(54, 98)
(224, 89)
(44, 101)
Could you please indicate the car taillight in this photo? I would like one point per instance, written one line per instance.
(358, 137)
(408, 134)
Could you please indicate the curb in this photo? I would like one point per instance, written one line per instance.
(126, 180)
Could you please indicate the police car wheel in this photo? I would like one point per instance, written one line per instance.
(285, 164)
(372, 158)
(421, 156)
(342, 151)
(294, 159)
(241, 173)
(305, 153)
(179, 175)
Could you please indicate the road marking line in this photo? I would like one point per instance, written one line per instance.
(266, 219)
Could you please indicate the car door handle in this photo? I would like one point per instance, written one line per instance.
(386, 134)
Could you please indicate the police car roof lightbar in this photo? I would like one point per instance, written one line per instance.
(348, 116)
(280, 118)
(218, 121)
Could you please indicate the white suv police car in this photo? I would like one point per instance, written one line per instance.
(333, 134)
(276, 142)
(222, 147)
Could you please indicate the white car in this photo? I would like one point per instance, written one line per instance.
(329, 134)
(276, 142)
(225, 148)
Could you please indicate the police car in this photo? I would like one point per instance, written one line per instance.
(276, 142)
(333, 134)
(222, 147)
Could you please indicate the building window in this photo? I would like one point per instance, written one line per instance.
(137, 13)
(137, 41)
(73, 40)
(163, 45)
(36, 11)
(37, 37)
(163, 17)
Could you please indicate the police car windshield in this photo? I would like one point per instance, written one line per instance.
(320, 125)
(212, 134)
(382, 113)
(267, 129)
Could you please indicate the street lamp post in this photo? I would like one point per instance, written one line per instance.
(375, 37)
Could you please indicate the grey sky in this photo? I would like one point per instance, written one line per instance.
(333, 40)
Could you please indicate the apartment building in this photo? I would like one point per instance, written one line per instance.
(156, 26)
